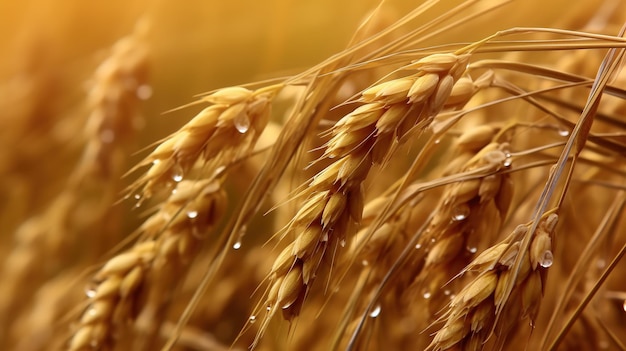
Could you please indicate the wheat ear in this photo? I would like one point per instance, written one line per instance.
(169, 239)
(226, 130)
(471, 315)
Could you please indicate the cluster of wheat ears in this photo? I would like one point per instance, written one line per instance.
(396, 196)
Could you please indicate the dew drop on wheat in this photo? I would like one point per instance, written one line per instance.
(192, 214)
(427, 295)
(252, 319)
(90, 292)
(94, 344)
(219, 170)
(563, 132)
(624, 306)
(177, 173)
(342, 242)
(242, 123)
(546, 259)
(237, 245)
(472, 249)
(507, 161)
(144, 92)
(137, 197)
(376, 311)
(460, 213)
(418, 246)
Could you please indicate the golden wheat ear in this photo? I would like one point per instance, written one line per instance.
(226, 130)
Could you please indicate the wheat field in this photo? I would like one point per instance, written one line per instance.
(280, 175)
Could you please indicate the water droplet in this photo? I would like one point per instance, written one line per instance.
(252, 319)
(376, 311)
(418, 246)
(472, 249)
(94, 344)
(192, 214)
(624, 306)
(342, 242)
(219, 170)
(460, 212)
(156, 162)
(237, 245)
(177, 173)
(137, 205)
(563, 132)
(144, 92)
(433, 240)
(269, 308)
(242, 123)
(546, 259)
(107, 136)
(507, 162)
(365, 263)
(447, 292)
(437, 141)
(427, 295)
(137, 197)
(90, 292)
